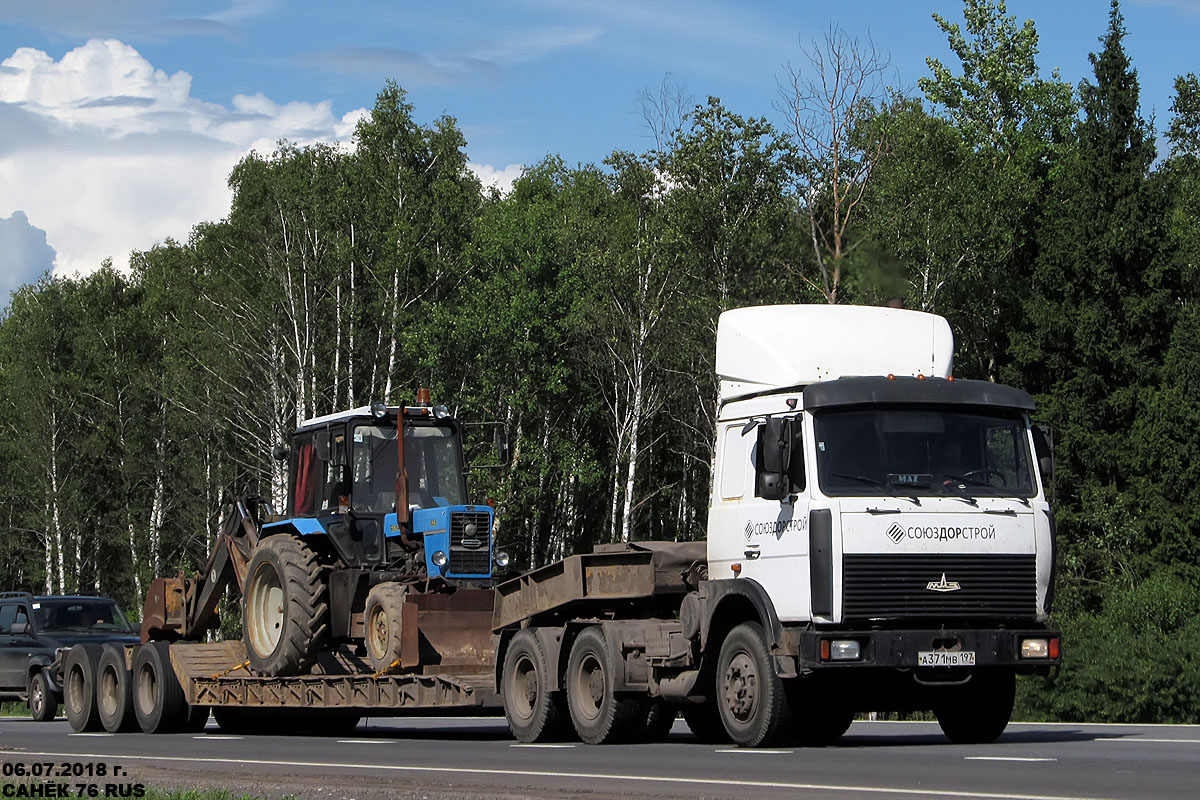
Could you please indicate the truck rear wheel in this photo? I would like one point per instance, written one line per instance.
(43, 705)
(284, 607)
(749, 694)
(978, 712)
(385, 604)
(704, 721)
(158, 700)
(534, 712)
(598, 713)
(79, 687)
(114, 692)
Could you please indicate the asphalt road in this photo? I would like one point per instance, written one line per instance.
(439, 757)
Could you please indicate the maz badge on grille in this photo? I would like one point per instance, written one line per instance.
(943, 585)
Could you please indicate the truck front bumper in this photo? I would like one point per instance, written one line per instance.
(903, 649)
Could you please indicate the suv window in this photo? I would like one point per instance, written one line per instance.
(8, 615)
(81, 614)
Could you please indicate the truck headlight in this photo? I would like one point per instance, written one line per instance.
(841, 650)
(439, 559)
(1040, 648)
(501, 559)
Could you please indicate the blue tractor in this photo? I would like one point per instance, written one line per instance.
(376, 520)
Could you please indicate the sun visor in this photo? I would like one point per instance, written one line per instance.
(764, 348)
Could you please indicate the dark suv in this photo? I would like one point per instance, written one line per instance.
(33, 629)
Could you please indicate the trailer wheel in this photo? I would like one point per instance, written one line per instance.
(534, 712)
(43, 705)
(750, 696)
(79, 687)
(978, 712)
(704, 721)
(284, 607)
(114, 692)
(599, 715)
(385, 604)
(158, 700)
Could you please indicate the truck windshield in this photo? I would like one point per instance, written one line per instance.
(922, 452)
(79, 615)
(432, 459)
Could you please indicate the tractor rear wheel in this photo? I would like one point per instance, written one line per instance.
(283, 607)
(385, 604)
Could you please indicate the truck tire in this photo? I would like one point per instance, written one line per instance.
(283, 607)
(382, 615)
(79, 687)
(749, 695)
(817, 718)
(114, 691)
(158, 700)
(599, 714)
(704, 721)
(654, 721)
(978, 712)
(43, 705)
(533, 711)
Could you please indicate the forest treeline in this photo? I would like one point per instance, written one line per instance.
(1047, 221)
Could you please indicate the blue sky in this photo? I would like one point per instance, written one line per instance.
(119, 120)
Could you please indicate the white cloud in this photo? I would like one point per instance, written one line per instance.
(502, 179)
(108, 154)
(24, 254)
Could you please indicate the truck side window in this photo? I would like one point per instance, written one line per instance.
(733, 464)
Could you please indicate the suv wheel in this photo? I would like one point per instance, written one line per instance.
(43, 705)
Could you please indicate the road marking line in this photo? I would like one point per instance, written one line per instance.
(1140, 739)
(752, 750)
(91, 734)
(546, 746)
(364, 741)
(530, 773)
(1006, 758)
(216, 737)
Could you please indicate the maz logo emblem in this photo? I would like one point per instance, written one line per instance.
(943, 585)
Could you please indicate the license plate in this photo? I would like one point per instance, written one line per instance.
(944, 658)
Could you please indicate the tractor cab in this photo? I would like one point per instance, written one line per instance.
(383, 507)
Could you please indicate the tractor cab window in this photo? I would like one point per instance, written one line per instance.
(306, 474)
(432, 459)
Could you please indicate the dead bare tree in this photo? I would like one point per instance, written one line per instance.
(828, 100)
(663, 112)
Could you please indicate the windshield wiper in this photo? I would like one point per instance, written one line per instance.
(889, 488)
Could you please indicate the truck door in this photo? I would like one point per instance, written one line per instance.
(768, 538)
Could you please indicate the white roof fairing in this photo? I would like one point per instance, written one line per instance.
(764, 348)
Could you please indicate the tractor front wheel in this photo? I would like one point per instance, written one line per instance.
(385, 604)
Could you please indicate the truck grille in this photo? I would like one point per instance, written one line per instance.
(470, 553)
(897, 586)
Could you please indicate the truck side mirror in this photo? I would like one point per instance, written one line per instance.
(775, 452)
(1043, 447)
(500, 439)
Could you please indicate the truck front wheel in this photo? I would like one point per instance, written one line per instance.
(534, 712)
(749, 694)
(284, 608)
(978, 712)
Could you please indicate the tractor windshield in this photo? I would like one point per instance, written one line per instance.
(432, 459)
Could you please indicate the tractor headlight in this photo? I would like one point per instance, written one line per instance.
(439, 559)
(378, 410)
(501, 559)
